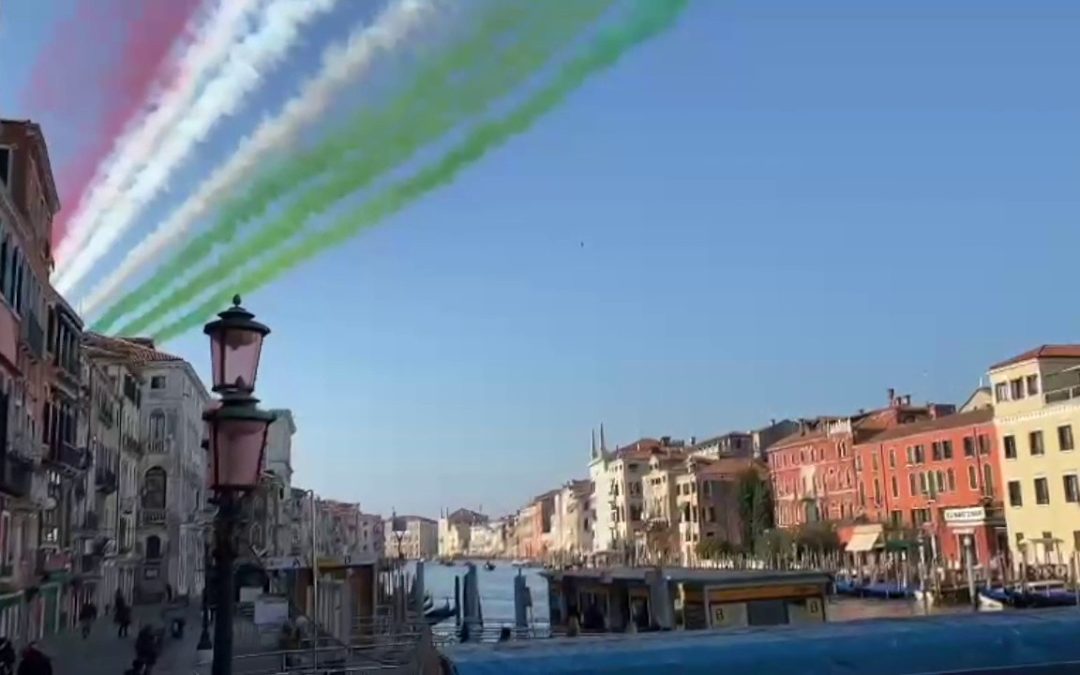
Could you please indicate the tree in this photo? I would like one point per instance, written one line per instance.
(754, 497)
(818, 536)
(773, 543)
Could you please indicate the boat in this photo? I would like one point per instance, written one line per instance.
(1025, 643)
(437, 615)
(489, 566)
(1035, 594)
(446, 562)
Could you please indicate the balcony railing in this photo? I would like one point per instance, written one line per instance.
(105, 479)
(16, 476)
(152, 516)
(1061, 395)
(70, 456)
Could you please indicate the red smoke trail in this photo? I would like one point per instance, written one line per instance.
(144, 32)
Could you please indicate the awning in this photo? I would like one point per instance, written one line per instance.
(864, 538)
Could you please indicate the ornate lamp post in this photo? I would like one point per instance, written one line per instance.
(399, 528)
(237, 443)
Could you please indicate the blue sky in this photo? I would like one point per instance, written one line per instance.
(769, 211)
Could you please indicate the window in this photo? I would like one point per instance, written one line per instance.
(153, 547)
(1001, 391)
(1016, 497)
(946, 449)
(1016, 388)
(969, 446)
(950, 477)
(988, 479)
(6, 157)
(912, 487)
(1042, 491)
(1072, 488)
(1032, 385)
(1010, 447)
(157, 382)
(892, 458)
(935, 451)
(895, 488)
(1065, 438)
(984, 444)
(1035, 442)
(873, 461)
(973, 477)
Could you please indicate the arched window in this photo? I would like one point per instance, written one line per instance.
(153, 547)
(154, 488)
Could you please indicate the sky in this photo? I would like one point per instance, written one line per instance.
(770, 211)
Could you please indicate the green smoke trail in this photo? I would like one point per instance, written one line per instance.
(437, 82)
(542, 38)
(650, 18)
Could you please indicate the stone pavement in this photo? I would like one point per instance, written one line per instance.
(103, 653)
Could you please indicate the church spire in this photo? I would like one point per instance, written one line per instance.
(603, 445)
(592, 447)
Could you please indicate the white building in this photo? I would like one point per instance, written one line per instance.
(455, 530)
(572, 531)
(173, 516)
(419, 541)
(279, 463)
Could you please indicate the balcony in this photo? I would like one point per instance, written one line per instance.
(71, 457)
(24, 447)
(89, 525)
(105, 479)
(34, 335)
(152, 516)
(16, 476)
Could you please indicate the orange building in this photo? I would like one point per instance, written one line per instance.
(813, 469)
(940, 476)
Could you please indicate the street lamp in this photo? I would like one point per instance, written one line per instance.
(237, 441)
(399, 528)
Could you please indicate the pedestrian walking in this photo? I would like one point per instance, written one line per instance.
(122, 617)
(87, 616)
(147, 646)
(34, 662)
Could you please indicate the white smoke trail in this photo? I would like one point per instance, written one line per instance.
(217, 30)
(342, 64)
(221, 97)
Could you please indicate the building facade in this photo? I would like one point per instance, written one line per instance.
(419, 540)
(940, 478)
(707, 500)
(44, 464)
(1036, 416)
(813, 469)
(572, 528)
(455, 530)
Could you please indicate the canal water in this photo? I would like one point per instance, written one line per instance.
(497, 596)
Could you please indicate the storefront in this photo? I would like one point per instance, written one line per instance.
(976, 527)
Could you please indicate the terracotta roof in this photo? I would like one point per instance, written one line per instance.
(956, 420)
(1042, 352)
(815, 430)
(133, 350)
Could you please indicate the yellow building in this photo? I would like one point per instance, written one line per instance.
(1037, 417)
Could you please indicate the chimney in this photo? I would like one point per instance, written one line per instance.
(665, 441)
(802, 427)
(693, 440)
(907, 399)
(932, 409)
(892, 395)
(772, 421)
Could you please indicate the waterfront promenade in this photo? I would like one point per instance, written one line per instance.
(103, 653)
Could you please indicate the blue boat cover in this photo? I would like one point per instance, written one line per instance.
(934, 644)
